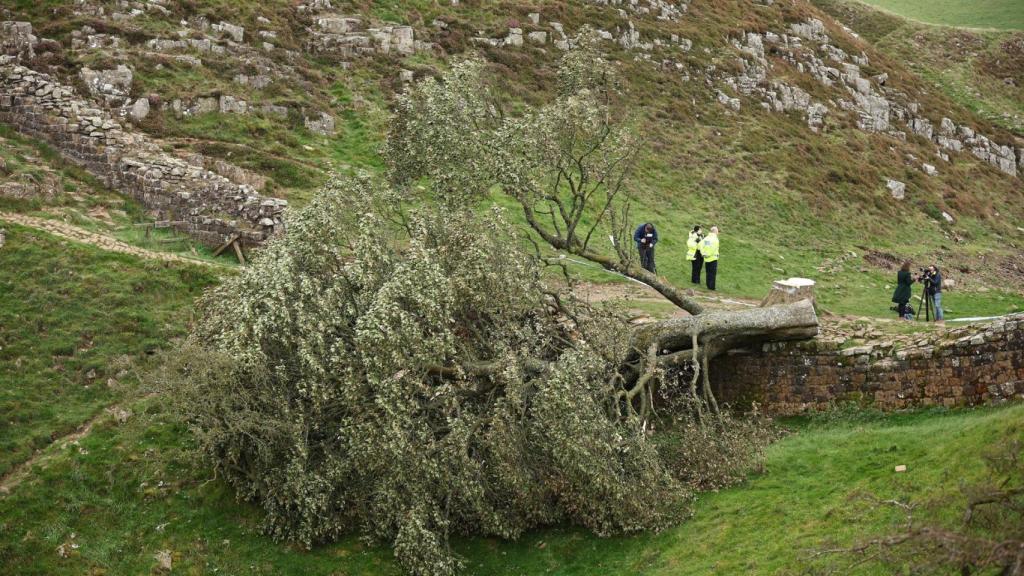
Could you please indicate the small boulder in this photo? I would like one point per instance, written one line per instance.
(515, 37)
(323, 124)
(164, 560)
(139, 110)
(897, 189)
(237, 33)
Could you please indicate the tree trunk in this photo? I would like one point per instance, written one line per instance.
(789, 291)
(720, 331)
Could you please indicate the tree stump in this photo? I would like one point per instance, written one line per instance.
(790, 291)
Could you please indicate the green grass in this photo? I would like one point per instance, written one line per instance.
(129, 491)
(1001, 14)
(68, 312)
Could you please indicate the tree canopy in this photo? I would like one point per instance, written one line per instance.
(413, 383)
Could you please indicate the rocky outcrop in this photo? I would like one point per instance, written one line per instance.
(16, 39)
(349, 37)
(194, 200)
(965, 366)
(660, 9)
(875, 106)
(111, 87)
(626, 35)
(775, 95)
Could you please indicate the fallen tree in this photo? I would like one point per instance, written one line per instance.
(400, 364)
(423, 380)
(566, 163)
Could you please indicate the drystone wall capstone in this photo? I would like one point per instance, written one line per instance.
(963, 367)
(192, 199)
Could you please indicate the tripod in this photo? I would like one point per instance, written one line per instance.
(926, 303)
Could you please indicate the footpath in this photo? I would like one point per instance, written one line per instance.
(101, 241)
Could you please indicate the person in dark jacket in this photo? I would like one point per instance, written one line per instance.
(904, 287)
(646, 237)
(693, 254)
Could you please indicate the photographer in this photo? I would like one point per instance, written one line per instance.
(933, 287)
(904, 287)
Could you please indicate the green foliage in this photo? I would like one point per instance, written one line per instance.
(716, 457)
(414, 381)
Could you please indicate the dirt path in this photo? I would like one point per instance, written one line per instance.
(18, 474)
(637, 292)
(101, 241)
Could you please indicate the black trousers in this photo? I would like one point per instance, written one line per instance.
(711, 269)
(902, 306)
(647, 260)
(695, 267)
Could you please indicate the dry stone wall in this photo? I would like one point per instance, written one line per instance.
(192, 199)
(963, 367)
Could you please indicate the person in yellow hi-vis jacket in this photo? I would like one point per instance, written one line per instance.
(709, 250)
(693, 254)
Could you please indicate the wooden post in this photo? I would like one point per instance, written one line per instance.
(238, 251)
(226, 245)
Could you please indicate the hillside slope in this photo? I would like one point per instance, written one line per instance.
(766, 118)
(981, 70)
(780, 129)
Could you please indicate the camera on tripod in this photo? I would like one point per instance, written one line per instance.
(924, 276)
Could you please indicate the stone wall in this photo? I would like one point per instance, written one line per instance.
(962, 367)
(194, 200)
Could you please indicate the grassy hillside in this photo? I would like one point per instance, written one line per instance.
(789, 202)
(981, 70)
(127, 492)
(73, 321)
(1001, 14)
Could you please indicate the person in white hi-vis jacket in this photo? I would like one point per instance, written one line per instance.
(709, 250)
